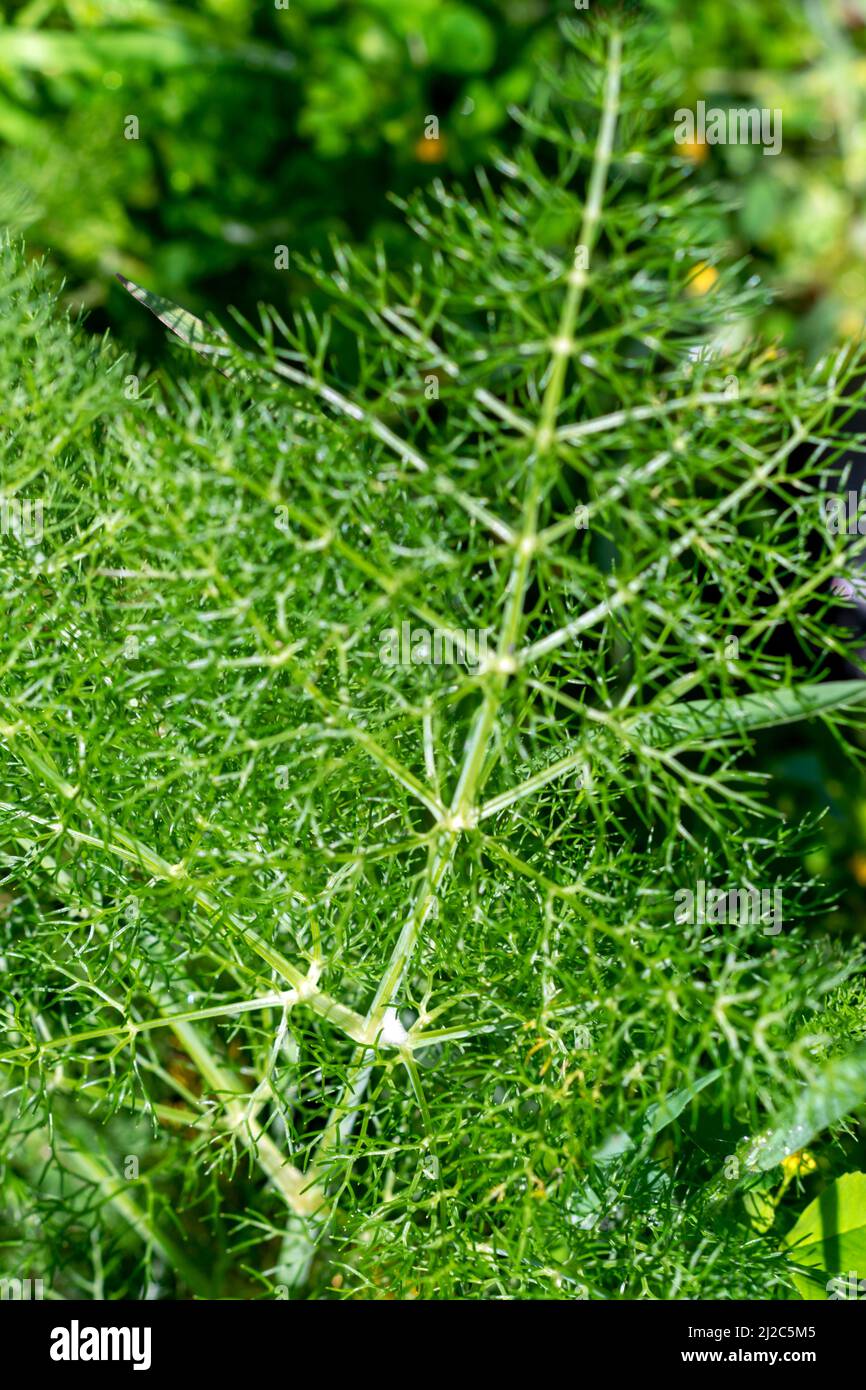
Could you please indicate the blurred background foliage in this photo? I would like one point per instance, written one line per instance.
(258, 126)
(266, 123)
(282, 122)
(801, 214)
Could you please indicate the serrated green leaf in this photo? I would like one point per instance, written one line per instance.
(702, 719)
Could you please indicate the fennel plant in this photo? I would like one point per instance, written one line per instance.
(339, 947)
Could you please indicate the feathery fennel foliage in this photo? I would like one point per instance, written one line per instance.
(335, 975)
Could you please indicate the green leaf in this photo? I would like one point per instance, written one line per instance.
(760, 1209)
(830, 1237)
(701, 719)
(193, 331)
(826, 1100)
(658, 1115)
(664, 1112)
(694, 721)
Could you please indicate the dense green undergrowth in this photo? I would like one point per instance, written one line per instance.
(348, 958)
